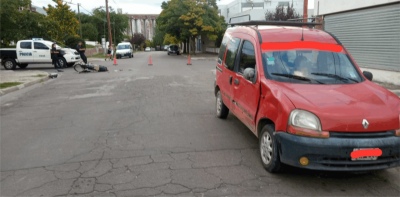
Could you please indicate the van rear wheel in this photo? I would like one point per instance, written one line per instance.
(222, 110)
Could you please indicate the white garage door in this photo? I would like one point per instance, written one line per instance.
(371, 35)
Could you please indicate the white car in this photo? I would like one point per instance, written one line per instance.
(124, 49)
(147, 49)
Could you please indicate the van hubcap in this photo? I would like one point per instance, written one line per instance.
(219, 103)
(266, 148)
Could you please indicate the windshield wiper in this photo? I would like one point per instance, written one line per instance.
(335, 77)
(298, 77)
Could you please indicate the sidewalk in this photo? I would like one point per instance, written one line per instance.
(27, 78)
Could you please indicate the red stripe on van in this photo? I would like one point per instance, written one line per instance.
(276, 46)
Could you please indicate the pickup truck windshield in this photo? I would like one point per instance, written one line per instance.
(310, 66)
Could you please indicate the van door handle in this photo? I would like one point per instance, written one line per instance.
(230, 80)
(236, 81)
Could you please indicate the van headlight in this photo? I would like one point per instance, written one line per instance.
(305, 123)
(304, 119)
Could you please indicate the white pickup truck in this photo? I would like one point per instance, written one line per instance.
(35, 52)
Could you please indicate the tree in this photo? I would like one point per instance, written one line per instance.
(18, 22)
(187, 19)
(89, 31)
(158, 37)
(138, 39)
(64, 21)
(281, 14)
(119, 24)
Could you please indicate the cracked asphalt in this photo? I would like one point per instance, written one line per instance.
(142, 130)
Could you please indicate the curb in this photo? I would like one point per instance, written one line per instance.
(201, 58)
(24, 85)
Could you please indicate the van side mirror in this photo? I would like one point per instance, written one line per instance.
(249, 74)
(368, 75)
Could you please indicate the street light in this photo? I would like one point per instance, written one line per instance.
(79, 15)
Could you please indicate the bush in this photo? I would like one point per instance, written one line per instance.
(72, 41)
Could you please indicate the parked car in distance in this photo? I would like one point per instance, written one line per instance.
(306, 99)
(36, 51)
(166, 47)
(173, 49)
(124, 49)
(147, 49)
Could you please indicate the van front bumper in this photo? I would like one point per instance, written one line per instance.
(333, 153)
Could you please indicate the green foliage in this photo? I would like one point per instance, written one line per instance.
(158, 38)
(73, 40)
(64, 22)
(169, 39)
(17, 23)
(60, 24)
(281, 14)
(119, 24)
(149, 43)
(89, 32)
(9, 84)
(186, 19)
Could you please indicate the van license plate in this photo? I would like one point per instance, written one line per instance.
(365, 154)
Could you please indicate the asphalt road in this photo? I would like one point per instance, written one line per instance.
(146, 130)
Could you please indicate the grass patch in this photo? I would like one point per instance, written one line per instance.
(9, 84)
(97, 55)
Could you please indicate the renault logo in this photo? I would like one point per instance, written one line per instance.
(365, 123)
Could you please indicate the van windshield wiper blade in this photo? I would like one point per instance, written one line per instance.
(335, 76)
(298, 77)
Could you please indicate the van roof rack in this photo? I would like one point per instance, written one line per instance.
(275, 23)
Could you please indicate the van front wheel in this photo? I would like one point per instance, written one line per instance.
(269, 149)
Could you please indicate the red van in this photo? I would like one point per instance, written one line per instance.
(303, 95)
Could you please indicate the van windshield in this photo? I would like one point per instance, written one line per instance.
(123, 47)
(310, 66)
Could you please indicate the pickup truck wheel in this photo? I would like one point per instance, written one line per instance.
(222, 110)
(23, 66)
(9, 64)
(269, 149)
(62, 62)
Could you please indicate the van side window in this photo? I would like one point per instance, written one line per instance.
(233, 46)
(38, 45)
(247, 57)
(25, 45)
(222, 49)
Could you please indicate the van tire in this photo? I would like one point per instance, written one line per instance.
(23, 66)
(268, 148)
(9, 64)
(221, 109)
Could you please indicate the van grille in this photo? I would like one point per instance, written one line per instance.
(390, 133)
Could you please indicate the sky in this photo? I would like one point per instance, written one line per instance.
(128, 6)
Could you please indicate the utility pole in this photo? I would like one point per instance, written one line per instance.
(305, 11)
(109, 25)
(80, 23)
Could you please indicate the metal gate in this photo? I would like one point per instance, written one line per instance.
(371, 35)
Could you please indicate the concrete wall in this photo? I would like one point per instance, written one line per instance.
(323, 7)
